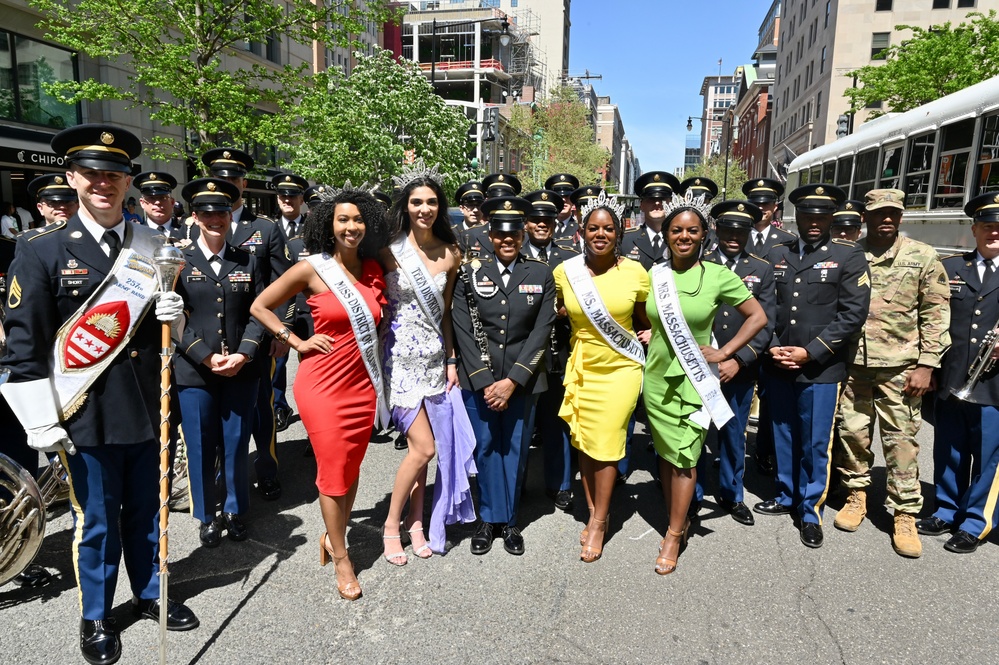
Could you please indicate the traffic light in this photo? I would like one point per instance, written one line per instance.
(491, 122)
(842, 126)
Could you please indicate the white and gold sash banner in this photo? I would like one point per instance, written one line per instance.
(715, 408)
(431, 298)
(91, 339)
(362, 322)
(619, 338)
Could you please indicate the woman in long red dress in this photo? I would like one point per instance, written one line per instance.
(338, 385)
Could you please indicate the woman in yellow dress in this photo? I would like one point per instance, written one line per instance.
(604, 296)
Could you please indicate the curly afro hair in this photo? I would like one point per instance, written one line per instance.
(317, 233)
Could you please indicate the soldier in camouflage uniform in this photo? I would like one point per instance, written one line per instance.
(891, 368)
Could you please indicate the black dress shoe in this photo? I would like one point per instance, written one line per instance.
(482, 541)
(772, 507)
(738, 510)
(211, 533)
(33, 577)
(562, 499)
(270, 488)
(179, 616)
(811, 535)
(933, 526)
(282, 418)
(513, 542)
(962, 542)
(99, 642)
(234, 527)
(400, 442)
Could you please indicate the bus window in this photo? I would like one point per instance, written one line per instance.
(867, 172)
(891, 160)
(844, 169)
(803, 177)
(815, 174)
(988, 157)
(955, 151)
(917, 176)
(829, 172)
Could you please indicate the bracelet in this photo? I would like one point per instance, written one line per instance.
(451, 361)
(283, 335)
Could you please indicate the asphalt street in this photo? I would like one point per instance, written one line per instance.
(740, 594)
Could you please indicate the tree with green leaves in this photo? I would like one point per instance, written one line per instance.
(934, 62)
(364, 127)
(179, 64)
(713, 168)
(555, 136)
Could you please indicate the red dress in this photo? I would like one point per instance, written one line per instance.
(335, 396)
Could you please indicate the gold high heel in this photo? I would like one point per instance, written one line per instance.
(590, 553)
(348, 591)
(585, 533)
(671, 563)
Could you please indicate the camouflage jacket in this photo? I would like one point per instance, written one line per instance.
(909, 318)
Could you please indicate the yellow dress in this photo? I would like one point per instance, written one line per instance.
(601, 385)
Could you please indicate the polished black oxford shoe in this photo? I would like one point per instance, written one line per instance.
(962, 542)
(282, 418)
(234, 527)
(933, 526)
(513, 542)
(179, 616)
(211, 533)
(270, 488)
(738, 510)
(482, 541)
(811, 535)
(33, 577)
(99, 641)
(772, 507)
(562, 499)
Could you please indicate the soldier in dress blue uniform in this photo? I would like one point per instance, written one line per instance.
(733, 220)
(823, 292)
(261, 237)
(847, 220)
(765, 193)
(473, 232)
(218, 362)
(156, 198)
(55, 199)
(564, 184)
(645, 244)
(501, 184)
(515, 300)
(114, 432)
(552, 430)
(966, 434)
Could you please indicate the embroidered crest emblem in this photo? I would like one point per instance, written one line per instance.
(14, 297)
(95, 334)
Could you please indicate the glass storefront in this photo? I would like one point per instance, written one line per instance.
(26, 65)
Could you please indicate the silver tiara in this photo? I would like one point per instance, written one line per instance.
(416, 171)
(691, 201)
(603, 201)
(328, 193)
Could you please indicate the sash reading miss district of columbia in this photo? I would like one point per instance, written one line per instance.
(619, 338)
(686, 349)
(362, 322)
(427, 294)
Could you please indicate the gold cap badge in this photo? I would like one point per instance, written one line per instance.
(227, 154)
(500, 178)
(820, 191)
(544, 196)
(58, 180)
(741, 207)
(507, 206)
(107, 138)
(656, 177)
(211, 187)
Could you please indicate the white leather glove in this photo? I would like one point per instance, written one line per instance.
(33, 402)
(169, 306)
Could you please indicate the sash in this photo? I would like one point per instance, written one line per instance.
(362, 322)
(619, 338)
(429, 297)
(715, 408)
(97, 332)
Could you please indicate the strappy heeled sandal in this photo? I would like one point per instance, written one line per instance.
(589, 554)
(350, 590)
(661, 561)
(393, 557)
(418, 551)
(585, 533)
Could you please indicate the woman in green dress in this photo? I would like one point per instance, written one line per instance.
(681, 389)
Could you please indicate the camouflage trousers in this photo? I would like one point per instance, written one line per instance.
(875, 394)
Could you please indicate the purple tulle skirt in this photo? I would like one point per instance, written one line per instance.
(455, 443)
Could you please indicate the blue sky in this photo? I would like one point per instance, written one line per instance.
(653, 56)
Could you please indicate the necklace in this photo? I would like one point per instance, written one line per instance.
(700, 283)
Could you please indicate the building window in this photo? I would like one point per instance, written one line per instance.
(818, 107)
(828, 10)
(879, 42)
(965, 4)
(941, 4)
(25, 65)
(882, 6)
(988, 157)
(822, 61)
(876, 104)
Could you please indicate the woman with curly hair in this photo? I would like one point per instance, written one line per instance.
(603, 295)
(339, 387)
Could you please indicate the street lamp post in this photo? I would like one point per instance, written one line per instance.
(504, 39)
(728, 144)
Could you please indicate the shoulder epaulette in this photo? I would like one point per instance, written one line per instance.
(568, 248)
(634, 230)
(47, 229)
(265, 218)
(531, 258)
(845, 242)
(953, 256)
(759, 258)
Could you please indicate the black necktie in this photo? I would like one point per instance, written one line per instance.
(291, 229)
(114, 244)
(543, 254)
(657, 247)
(730, 264)
(990, 270)
(758, 244)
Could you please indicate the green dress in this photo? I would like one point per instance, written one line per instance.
(669, 395)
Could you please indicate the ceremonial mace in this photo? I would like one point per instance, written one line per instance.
(169, 261)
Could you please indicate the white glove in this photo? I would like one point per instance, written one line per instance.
(169, 306)
(33, 402)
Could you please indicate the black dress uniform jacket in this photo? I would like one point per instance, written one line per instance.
(474, 241)
(758, 276)
(6, 258)
(775, 237)
(974, 311)
(172, 229)
(122, 405)
(557, 357)
(262, 237)
(217, 308)
(568, 232)
(822, 302)
(300, 314)
(637, 247)
(517, 321)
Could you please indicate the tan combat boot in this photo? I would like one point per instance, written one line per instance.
(853, 511)
(905, 540)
